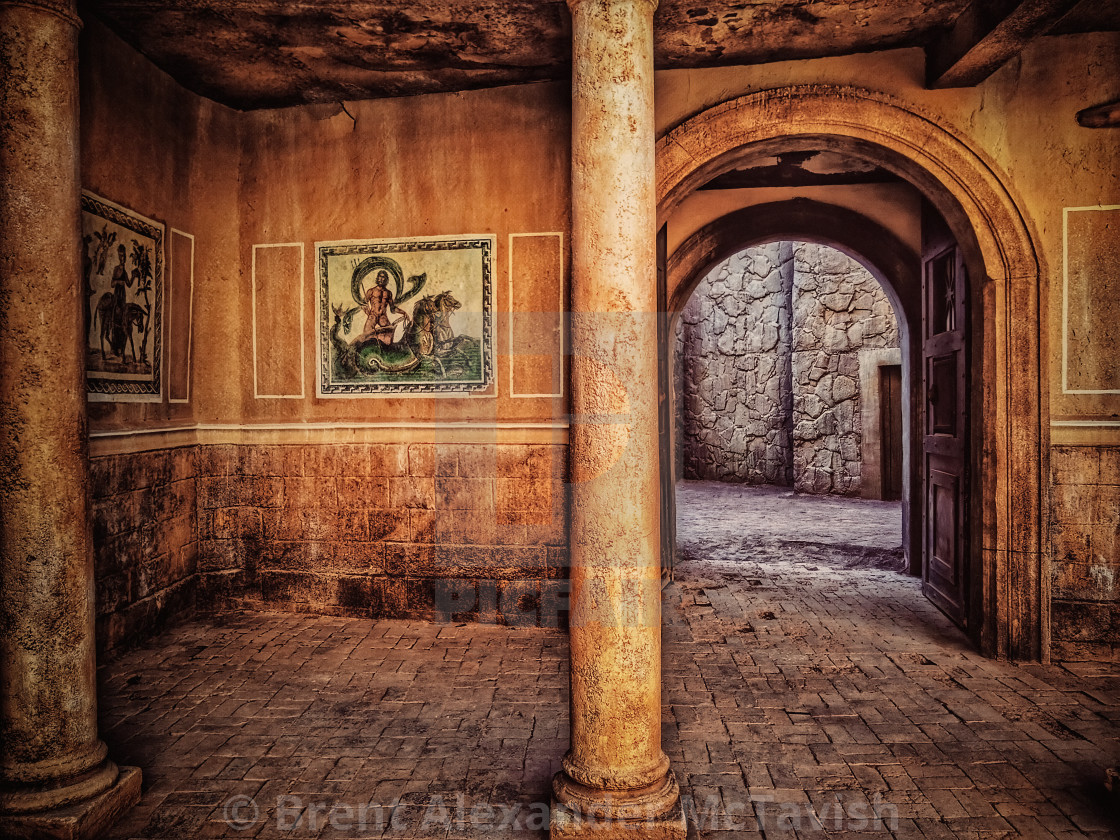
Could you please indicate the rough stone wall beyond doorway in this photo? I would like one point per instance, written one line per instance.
(769, 352)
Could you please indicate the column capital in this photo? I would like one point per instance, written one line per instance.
(574, 4)
(65, 9)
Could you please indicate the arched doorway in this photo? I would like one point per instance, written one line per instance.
(1009, 592)
(890, 261)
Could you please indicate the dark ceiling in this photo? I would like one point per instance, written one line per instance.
(275, 53)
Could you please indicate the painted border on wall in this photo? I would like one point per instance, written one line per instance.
(514, 394)
(299, 291)
(1065, 298)
(170, 315)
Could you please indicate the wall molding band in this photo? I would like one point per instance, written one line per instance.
(126, 441)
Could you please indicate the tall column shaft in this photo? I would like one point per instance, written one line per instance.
(615, 772)
(50, 755)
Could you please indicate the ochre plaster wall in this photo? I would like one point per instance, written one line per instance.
(457, 496)
(897, 207)
(153, 147)
(486, 162)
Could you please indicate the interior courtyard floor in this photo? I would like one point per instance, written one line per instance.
(808, 692)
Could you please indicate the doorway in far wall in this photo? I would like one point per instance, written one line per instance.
(890, 431)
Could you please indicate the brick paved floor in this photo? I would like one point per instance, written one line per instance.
(800, 695)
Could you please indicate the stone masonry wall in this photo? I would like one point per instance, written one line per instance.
(838, 310)
(145, 542)
(768, 367)
(1085, 552)
(733, 352)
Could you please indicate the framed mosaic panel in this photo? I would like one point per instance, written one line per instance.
(405, 316)
(122, 278)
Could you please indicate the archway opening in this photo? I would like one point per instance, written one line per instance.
(989, 259)
(789, 358)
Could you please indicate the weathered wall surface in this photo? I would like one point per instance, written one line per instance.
(455, 496)
(497, 162)
(385, 530)
(1085, 547)
(769, 376)
(155, 148)
(145, 542)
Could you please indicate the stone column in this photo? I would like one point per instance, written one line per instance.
(55, 778)
(616, 779)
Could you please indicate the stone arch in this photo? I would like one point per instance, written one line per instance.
(1010, 598)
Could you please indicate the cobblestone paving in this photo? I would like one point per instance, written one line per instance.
(802, 699)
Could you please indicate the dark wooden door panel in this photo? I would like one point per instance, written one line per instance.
(890, 429)
(891, 432)
(945, 546)
(945, 577)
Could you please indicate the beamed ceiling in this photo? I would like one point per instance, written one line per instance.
(274, 53)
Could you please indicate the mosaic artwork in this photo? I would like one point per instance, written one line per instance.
(405, 316)
(122, 278)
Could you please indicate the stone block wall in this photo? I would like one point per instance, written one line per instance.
(385, 530)
(145, 542)
(768, 367)
(839, 309)
(733, 343)
(457, 532)
(1085, 552)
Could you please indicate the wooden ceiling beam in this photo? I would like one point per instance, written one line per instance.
(1100, 116)
(985, 36)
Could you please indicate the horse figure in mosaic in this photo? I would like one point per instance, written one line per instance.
(430, 334)
(119, 334)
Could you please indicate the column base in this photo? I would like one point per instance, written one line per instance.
(83, 820)
(603, 819)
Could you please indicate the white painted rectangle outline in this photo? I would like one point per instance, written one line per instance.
(190, 314)
(491, 394)
(299, 287)
(559, 314)
(1065, 298)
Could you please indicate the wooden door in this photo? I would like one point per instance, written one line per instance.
(664, 414)
(945, 549)
(890, 430)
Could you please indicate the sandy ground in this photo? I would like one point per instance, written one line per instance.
(731, 523)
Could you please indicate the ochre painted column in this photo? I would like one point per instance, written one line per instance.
(616, 779)
(55, 778)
